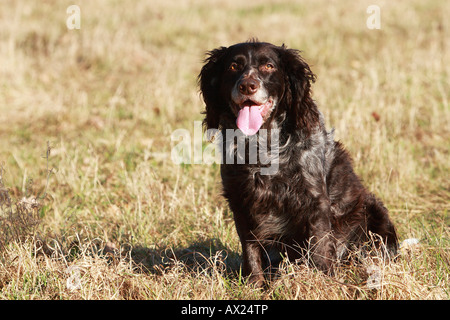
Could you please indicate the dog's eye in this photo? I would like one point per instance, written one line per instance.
(267, 67)
(233, 66)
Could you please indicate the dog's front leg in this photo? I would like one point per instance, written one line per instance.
(252, 261)
(251, 247)
(322, 243)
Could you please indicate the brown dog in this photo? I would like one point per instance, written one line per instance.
(314, 201)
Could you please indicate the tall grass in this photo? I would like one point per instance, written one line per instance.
(120, 220)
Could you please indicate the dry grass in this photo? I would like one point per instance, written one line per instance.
(121, 221)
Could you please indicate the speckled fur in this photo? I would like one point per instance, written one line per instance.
(314, 203)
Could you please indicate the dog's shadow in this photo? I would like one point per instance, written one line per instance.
(205, 256)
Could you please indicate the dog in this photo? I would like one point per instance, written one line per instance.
(314, 204)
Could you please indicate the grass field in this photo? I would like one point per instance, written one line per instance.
(106, 214)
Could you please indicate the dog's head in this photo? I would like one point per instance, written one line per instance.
(255, 83)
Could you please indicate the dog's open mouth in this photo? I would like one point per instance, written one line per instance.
(252, 114)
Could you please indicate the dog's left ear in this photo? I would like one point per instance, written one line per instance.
(303, 113)
(209, 81)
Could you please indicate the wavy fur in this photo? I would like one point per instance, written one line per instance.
(315, 203)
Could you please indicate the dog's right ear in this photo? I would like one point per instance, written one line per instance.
(209, 80)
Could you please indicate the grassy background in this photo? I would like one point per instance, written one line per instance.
(121, 221)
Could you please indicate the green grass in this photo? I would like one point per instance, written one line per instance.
(137, 226)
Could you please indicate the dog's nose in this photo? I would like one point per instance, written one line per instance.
(248, 86)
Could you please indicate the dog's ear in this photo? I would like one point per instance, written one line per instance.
(209, 81)
(302, 112)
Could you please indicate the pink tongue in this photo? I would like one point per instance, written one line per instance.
(249, 120)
